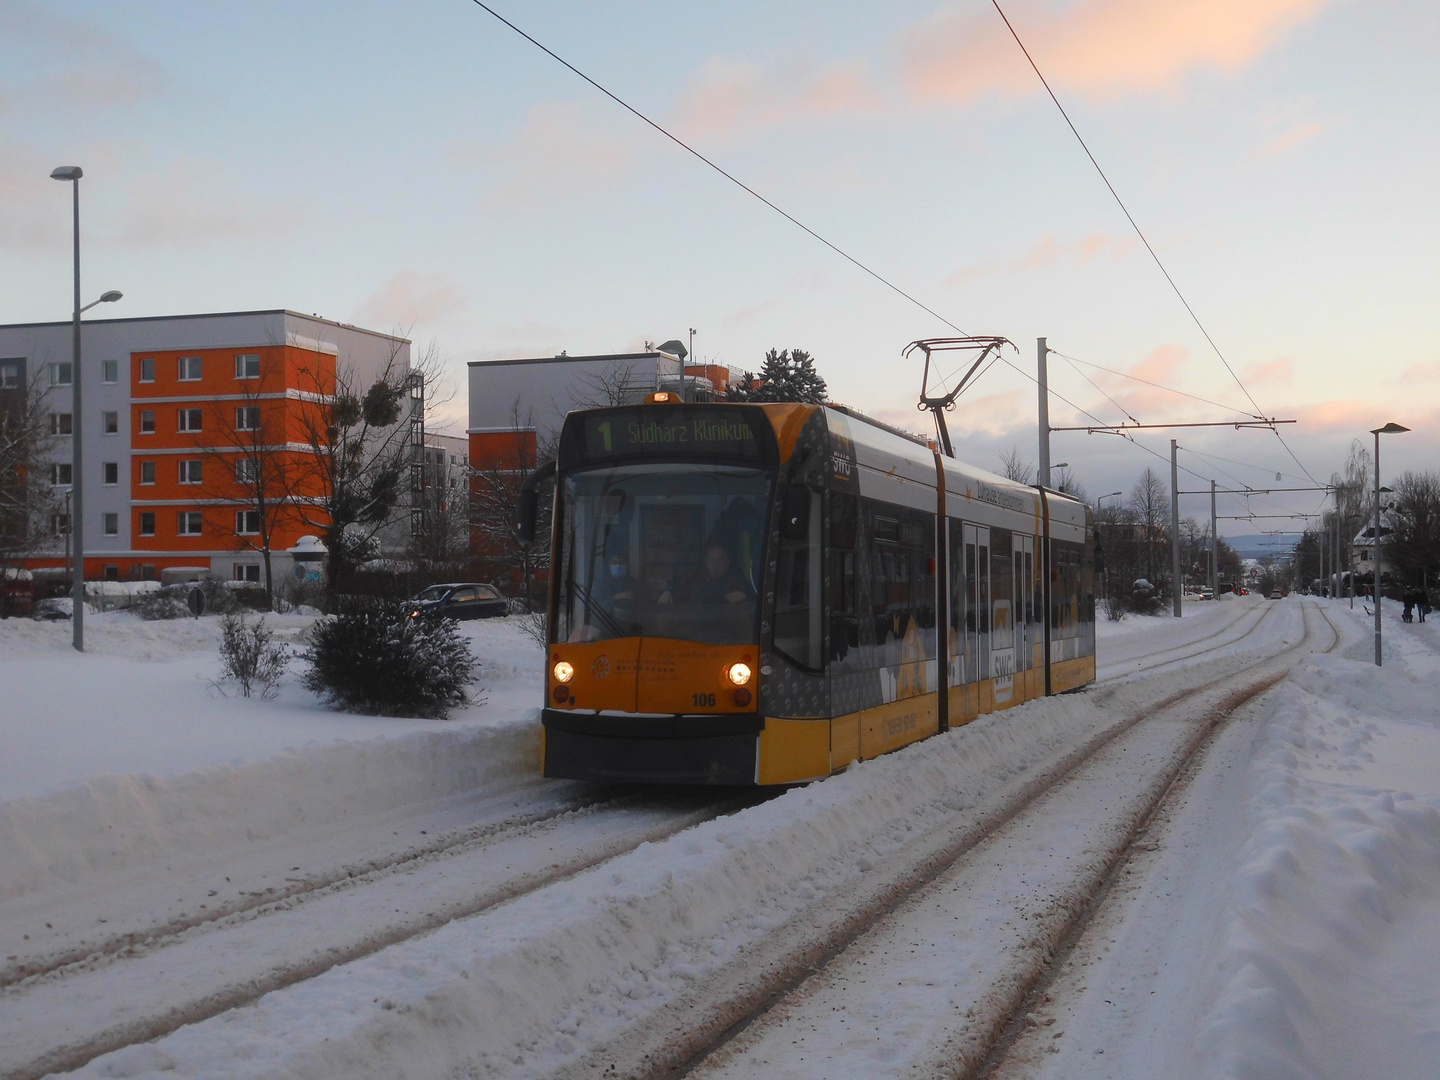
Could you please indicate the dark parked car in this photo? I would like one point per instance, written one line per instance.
(55, 609)
(460, 600)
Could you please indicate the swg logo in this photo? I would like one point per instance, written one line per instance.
(601, 667)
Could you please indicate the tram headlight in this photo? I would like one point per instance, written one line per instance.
(563, 671)
(739, 674)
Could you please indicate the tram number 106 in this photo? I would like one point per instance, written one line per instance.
(704, 699)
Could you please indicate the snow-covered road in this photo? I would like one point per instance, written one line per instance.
(889, 921)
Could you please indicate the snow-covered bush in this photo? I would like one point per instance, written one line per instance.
(250, 657)
(166, 603)
(375, 658)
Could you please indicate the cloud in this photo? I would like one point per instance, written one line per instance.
(1279, 370)
(410, 298)
(561, 148)
(1421, 373)
(55, 62)
(1097, 47)
(728, 96)
(1293, 137)
(173, 206)
(1048, 251)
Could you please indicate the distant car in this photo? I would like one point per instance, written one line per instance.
(460, 600)
(1207, 594)
(55, 609)
(1276, 594)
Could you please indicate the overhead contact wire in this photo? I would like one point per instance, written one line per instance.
(1143, 239)
(738, 183)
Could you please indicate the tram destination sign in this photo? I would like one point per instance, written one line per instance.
(686, 431)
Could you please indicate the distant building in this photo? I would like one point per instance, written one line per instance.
(163, 400)
(516, 411)
(1362, 547)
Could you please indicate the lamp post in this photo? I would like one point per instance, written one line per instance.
(72, 174)
(1388, 429)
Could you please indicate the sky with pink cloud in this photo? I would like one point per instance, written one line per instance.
(419, 166)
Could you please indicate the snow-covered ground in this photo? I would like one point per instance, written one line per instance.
(1280, 921)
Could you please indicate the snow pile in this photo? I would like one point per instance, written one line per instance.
(129, 752)
(523, 987)
(1326, 964)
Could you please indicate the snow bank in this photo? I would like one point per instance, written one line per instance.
(1326, 962)
(524, 987)
(129, 753)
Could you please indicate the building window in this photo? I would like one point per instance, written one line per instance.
(247, 522)
(247, 418)
(147, 370)
(110, 423)
(111, 470)
(110, 524)
(147, 528)
(112, 573)
(147, 472)
(247, 366)
(61, 474)
(110, 373)
(60, 374)
(61, 423)
(246, 471)
(417, 522)
(189, 419)
(189, 523)
(60, 524)
(10, 374)
(147, 421)
(191, 369)
(190, 470)
(247, 572)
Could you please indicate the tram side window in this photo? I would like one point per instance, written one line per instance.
(1002, 590)
(799, 610)
(844, 623)
(1065, 557)
(902, 576)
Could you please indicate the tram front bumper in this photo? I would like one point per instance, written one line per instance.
(652, 749)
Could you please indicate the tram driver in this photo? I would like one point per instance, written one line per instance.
(714, 582)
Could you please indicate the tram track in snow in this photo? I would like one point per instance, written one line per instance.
(67, 1009)
(1153, 663)
(786, 1000)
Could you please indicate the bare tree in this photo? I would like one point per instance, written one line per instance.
(363, 440)
(1066, 482)
(248, 467)
(1150, 503)
(496, 477)
(26, 447)
(1014, 467)
(1413, 545)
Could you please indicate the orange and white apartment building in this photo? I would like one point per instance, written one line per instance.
(167, 405)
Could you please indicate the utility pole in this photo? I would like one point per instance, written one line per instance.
(1043, 366)
(1214, 549)
(1175, 524)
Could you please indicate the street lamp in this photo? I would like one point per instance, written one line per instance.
(1388, 429)
(1102, 498)
(72, 174)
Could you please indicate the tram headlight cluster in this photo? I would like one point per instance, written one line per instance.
(739, 674)
(563, 671)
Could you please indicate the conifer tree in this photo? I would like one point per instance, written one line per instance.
(787, 375)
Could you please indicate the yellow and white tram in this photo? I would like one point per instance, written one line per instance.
(765, 594)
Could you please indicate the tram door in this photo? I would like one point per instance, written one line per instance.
(1026, 624)
(977, 602)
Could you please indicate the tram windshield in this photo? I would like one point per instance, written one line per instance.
(661, 550)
